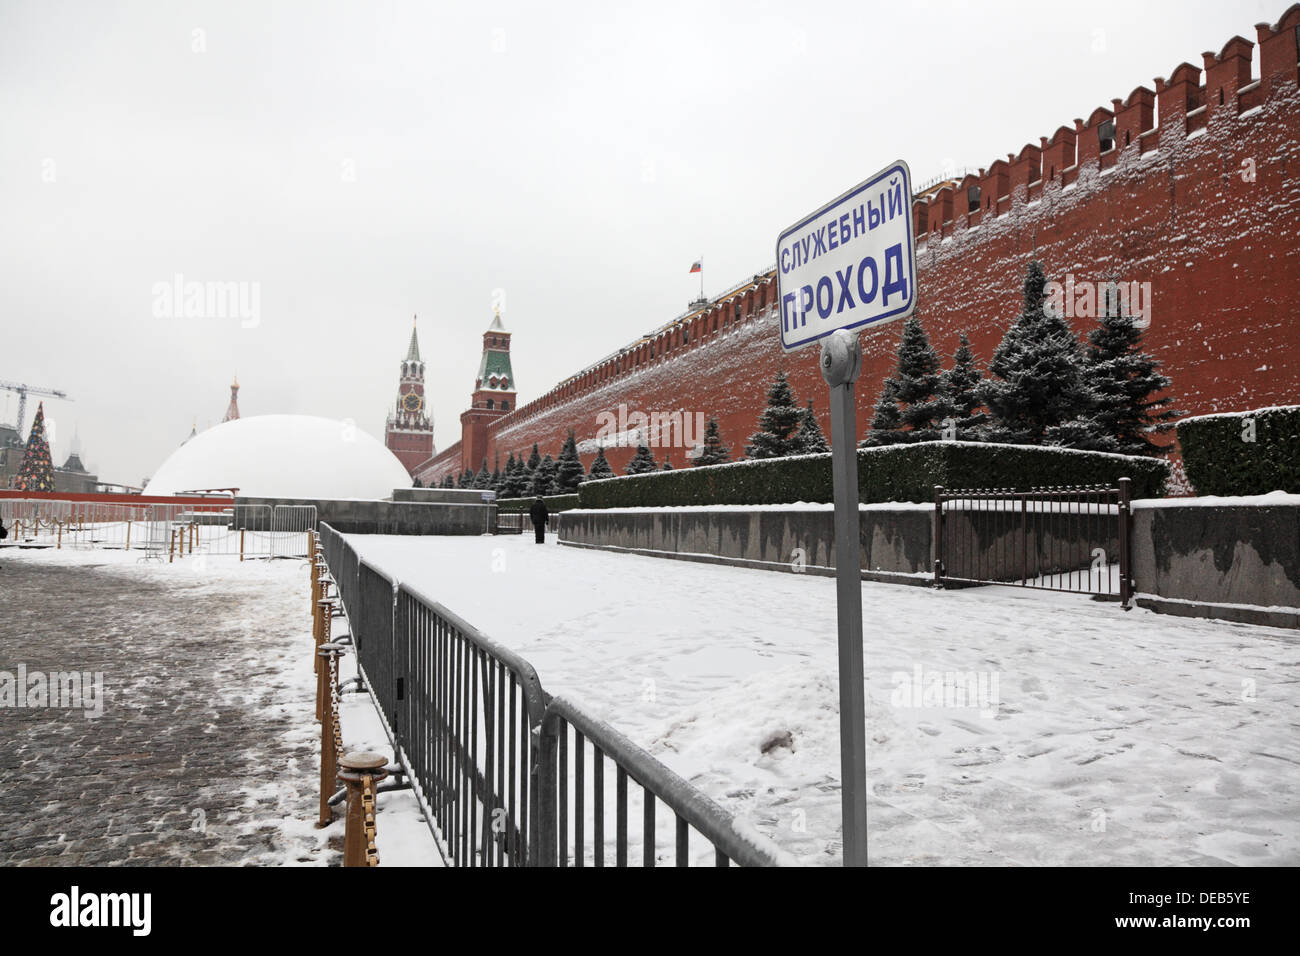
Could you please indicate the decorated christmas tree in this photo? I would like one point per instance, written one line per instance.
(37, 471)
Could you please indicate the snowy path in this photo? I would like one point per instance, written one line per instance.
(207, 749)
(1092, 736)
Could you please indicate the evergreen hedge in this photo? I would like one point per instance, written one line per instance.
(892, 473)
(554, 503)
(1221, 460)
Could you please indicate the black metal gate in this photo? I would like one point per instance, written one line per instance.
(1068, 538)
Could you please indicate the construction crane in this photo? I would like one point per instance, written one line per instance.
(22, 391)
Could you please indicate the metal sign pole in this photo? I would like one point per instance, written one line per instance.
(841, 363)
(850, 265)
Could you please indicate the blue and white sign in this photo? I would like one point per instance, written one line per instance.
(851, 263)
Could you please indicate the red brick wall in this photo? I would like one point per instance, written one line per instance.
(411, 449)
(1205, 206)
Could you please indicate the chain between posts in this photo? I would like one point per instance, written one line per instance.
(368, 812)
(358, 772)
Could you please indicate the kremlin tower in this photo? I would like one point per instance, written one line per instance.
(409, 431)
(494, 396)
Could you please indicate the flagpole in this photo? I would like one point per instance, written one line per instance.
(701, 277)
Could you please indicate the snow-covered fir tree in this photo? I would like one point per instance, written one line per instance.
(600, 467)
(527, 470)
(543, 481)
(959, 395)
(569, 473)
(916, 383)
(643, 461)
(483, 480)
(714, 452)
(811, 438)
(517, 480)
(778, 426)
(1126, 380)
(886, 419)
(1037, 380)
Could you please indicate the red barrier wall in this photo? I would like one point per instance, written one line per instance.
(1198, 196)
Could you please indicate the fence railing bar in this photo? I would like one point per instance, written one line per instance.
(648, 829)
(440, 689)
(597, 806)
(579, 796)
(563, 781)
(620, 818)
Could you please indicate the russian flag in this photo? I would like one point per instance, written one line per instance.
(698, 266)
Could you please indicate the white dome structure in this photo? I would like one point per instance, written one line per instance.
(282, 456)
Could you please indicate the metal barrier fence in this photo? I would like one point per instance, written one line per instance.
(512, 522)
(575, 799)
(517, 522)
(219, 528)
(468, 725)
(291, 527)
(490, 753)
(1072, 539)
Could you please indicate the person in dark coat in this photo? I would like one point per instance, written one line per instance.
(539, 514)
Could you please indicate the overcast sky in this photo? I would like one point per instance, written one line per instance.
(357, 163)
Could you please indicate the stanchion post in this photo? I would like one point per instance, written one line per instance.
(359, 771)
(330, 739)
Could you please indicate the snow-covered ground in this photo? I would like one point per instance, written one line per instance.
(276, 592)
(1004, 726)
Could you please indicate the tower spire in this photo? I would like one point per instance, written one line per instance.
(232, 410)
(413, 350)
(408, 432)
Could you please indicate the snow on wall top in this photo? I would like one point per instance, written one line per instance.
(283, 456)
(1249, 413)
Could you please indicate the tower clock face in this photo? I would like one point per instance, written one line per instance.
(411, 402)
